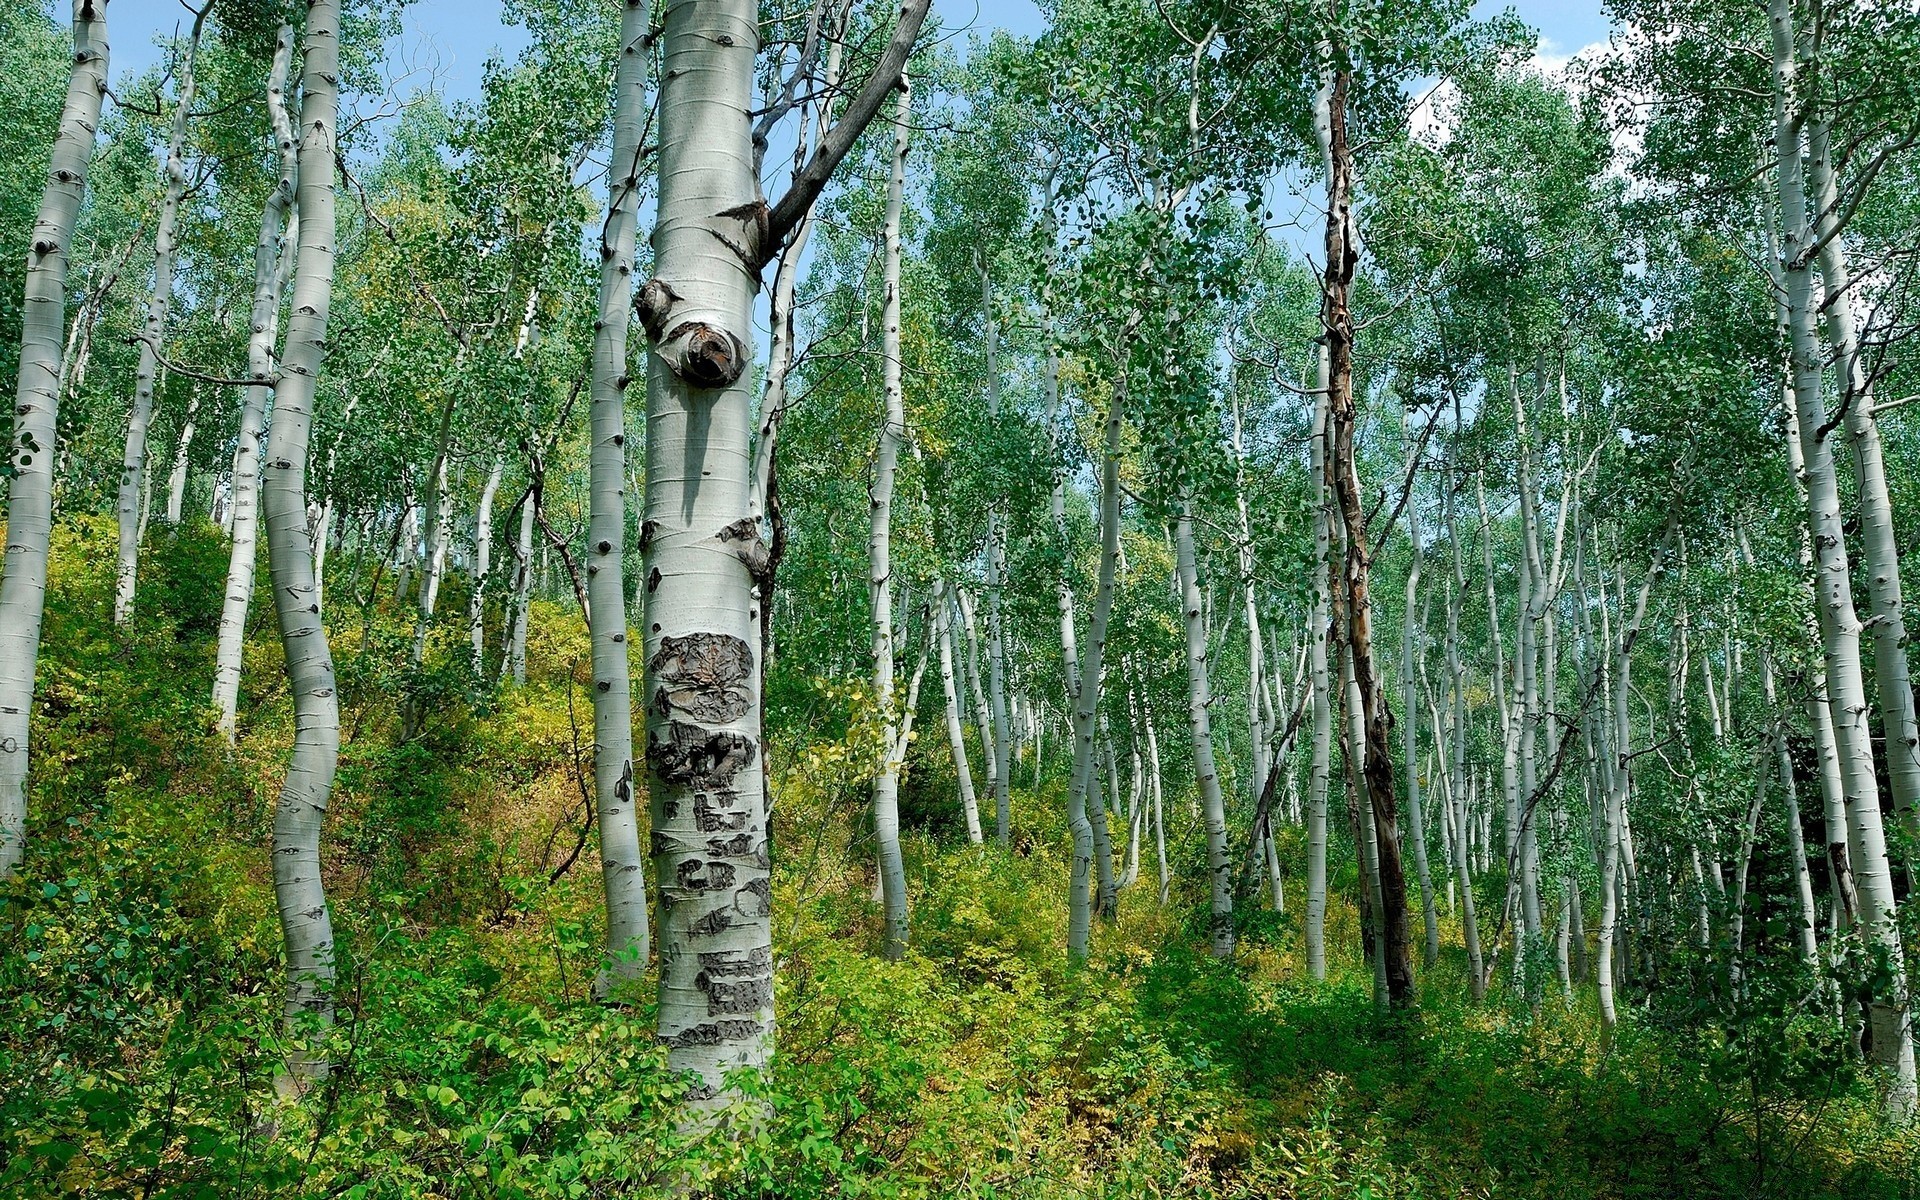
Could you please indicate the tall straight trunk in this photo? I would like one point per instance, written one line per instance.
(439, 533)
(1258, 735)
(483, 565)
(1199, 723)
(1375, 753)
(1360, 819)
(1840, 627)
(622, 869)
(703, 555)
(323, 528)
(999, 753)
(1807, 912)
(513, 662)
(1459, 814)
(1158, 806)
(1410, 706)
(133, 472)
(1320, 680)
(956, 731)
(1085, 689)
(764, 490)
(1879, 545)
(272, 260)
(982, 711)
(23, 583)
(893, 435)
(177, 477)
(1617, 752)
(305, 920)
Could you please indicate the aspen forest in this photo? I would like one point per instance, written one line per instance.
(1079, 600)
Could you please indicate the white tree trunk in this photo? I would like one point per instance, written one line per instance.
(1459, 813)
(23, 583)
(1410, 719)
(1084, 681)
(1199, 698)
(133, 471)
(272, 264)
(998, 754)
(177, 477)
(298, 819)
(513, 664)
(483, 568)
(1839, 625)
(956, 731)
(1617, 751)
(439, 532)
(982, 710)
(1320, 679)
(1879, 545)
(893, 435)
(702, 552)
(622, 869)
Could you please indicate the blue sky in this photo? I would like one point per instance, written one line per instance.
(456, 36)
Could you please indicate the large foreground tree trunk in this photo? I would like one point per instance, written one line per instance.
(1840, 626)
(23, 580)
(304, 917)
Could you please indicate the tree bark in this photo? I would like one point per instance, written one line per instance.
(483, 566)
(1199, 723)
(177, 477)
(1879, 544)
(1320, 680)
(1375, 751)
(893, 435)
(272, 261)
(1840, 626)
(134, 466)
(23, 583)
(1084, 680)
(622, 869)
(956, 731)
(305, 920)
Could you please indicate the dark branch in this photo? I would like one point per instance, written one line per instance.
(808, 182)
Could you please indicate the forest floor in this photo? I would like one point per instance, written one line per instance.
(139, 960)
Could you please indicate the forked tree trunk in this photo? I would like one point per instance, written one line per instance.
(133, 472)
(23, 583)
(1840, 626)
(1879, 544)
(272, 260)
(956, 731)
(305, 920)
(1199, 723)
(1084, 682)
(483, 566)
(177, 477)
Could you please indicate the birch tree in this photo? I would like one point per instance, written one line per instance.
(30, 468)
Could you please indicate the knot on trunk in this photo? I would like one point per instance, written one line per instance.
(704, 356)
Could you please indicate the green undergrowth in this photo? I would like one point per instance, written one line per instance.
(139, 959)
